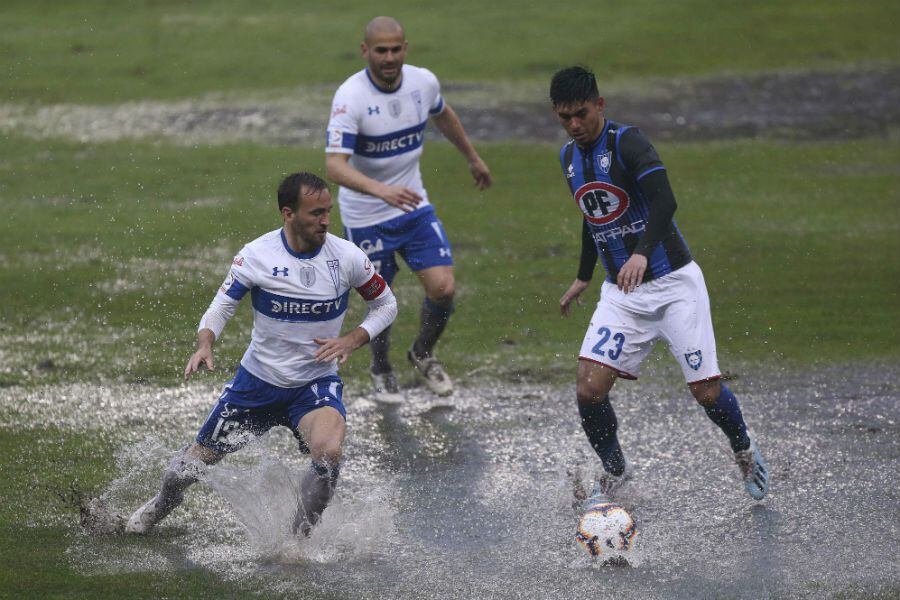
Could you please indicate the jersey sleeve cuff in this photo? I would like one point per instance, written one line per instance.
(437, 109)
(650, 170)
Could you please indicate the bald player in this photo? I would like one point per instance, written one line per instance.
(374, 141)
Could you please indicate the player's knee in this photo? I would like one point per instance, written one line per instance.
(706, 392)
(199, 452)
(326, 452)
(443, 292)
(590, 392)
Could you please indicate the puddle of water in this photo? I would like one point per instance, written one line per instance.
(472, 497)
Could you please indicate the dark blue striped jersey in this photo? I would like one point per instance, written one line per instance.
(605, 181)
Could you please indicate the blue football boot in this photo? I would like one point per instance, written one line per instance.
(754, 471)
(606, 487)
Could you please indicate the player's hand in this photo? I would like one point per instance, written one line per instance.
(573, 293)
(481, 174)
(203, 356)
(632, 273)
(400, 197)
(339, 348)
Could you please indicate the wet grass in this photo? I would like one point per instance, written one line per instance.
(109, 258)
(96, 52)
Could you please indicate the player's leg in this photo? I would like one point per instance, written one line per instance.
(598, 419)
(183, 471)
(379, 244)
(323, 432)
(440, 286)
(317, 415)
(689, 331)
(427, 251)
(723, 409)
(380, 346)
(616, 342)
(227, 428)
(437, 307)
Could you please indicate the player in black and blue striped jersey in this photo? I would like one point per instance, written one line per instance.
(653, 288)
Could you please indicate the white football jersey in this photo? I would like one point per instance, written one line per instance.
(384, 132)
(296, 297)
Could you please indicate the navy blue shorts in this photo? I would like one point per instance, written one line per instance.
(418, 236)
(249, 407)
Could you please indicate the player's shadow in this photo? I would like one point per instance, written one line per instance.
(440, 459)
(424, 440)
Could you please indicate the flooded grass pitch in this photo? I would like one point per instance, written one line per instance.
(472, 497)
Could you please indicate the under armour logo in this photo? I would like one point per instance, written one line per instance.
(445, 251)
(374, 110)
(276, 271)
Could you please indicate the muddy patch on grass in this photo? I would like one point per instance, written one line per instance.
(790, 105)
(814, 105)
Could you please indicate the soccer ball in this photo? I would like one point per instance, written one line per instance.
(606, 530)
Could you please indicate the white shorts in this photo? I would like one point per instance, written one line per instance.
(675, 308)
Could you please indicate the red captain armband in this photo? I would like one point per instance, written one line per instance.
(372, 288)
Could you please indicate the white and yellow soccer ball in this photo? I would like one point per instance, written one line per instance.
(606, 530)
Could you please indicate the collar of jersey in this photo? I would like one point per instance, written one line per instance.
(304, 255)
(599, 137)
(375, 85)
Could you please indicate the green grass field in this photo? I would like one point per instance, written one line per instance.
(135, 239)
(110, 252)
(100, 52)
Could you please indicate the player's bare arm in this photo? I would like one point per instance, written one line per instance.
(204, 354)
(341, 347)
(341, 172)
(452, 129)
(573, 293)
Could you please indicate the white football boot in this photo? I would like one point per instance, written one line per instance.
(436, 378)
(144, 518)
(385, 388)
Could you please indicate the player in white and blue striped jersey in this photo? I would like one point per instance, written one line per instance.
(374, 141)
(298, 278)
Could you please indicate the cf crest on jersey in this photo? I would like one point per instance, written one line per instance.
(570, 172)
(604, 162)
(601, 202)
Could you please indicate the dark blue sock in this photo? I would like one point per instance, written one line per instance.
(434, 320)
(600, 424)
(726, 413)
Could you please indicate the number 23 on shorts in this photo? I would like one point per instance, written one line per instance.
(618, 340)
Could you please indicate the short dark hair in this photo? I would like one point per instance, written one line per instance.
(289, 190)
(573, 86)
